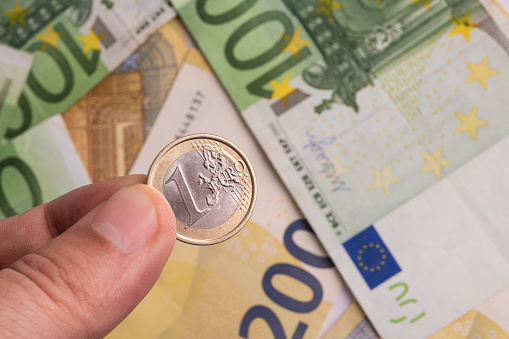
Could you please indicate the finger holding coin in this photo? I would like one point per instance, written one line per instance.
(210, 185)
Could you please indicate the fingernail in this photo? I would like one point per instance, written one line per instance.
(128, 219)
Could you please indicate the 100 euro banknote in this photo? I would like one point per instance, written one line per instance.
(75, 44)
(388, 123)
(273, 277)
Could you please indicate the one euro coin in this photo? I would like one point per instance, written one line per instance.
(210, 185)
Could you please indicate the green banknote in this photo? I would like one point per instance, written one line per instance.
(271, 278)
(37, 167)
(387, 120)
(14, 68)
(75, 44)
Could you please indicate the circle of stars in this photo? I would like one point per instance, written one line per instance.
(366, 267)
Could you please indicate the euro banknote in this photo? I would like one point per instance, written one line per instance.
(109, 124)
(271, 278)
(489, 319)
(39, 166)
(388, 123)
(75, 44)
(14, 68)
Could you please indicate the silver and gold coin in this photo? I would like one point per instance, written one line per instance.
(210, 185)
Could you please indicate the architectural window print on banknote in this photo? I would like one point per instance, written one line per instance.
(158, 63)
(365, 108)
(124, 105)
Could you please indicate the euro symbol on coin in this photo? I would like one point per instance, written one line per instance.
(210, 185)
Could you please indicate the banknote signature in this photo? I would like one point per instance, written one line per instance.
(404, 286)
(328, 169)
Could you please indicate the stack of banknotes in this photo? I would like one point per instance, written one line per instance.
(376, 128)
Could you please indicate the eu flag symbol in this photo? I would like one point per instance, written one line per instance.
(371, 257)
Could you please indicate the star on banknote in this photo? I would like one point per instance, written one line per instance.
(463, 25)
(481, 73)
(434, 162)
(49, 38)
(327, 7)
(470, 123)
(17, 14)
(92, 41)
(282, 89)
(425, 3)
(384, 180)
(295, 42)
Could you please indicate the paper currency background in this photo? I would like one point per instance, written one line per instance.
(128, 80)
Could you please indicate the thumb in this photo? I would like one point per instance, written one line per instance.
(84, 282)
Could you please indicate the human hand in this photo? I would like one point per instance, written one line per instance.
(77, 266)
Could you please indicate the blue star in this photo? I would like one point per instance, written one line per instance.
(131, 62)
